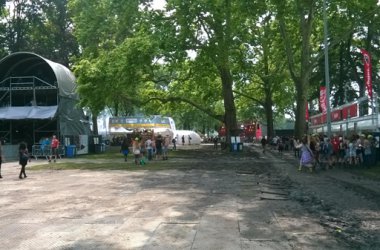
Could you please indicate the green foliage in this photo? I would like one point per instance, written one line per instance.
(185, 61)
(40, 26)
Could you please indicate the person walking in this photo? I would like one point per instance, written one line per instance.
(183, 140)
(307, 156)
(1, 157)
(23, 158)
(54, 148)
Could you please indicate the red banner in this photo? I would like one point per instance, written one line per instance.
(367, 71)
(322, 99)
(307, 112)
(350, 111)
(336, 115)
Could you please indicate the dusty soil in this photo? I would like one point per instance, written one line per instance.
(345, 204)
(204, 199)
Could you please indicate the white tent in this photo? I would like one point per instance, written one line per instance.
(195, 138)
(164, 132)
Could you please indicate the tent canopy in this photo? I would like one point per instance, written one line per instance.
(31, 112)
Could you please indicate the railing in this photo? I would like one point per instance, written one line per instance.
(39, 150)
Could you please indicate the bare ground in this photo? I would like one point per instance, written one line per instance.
(205, 199)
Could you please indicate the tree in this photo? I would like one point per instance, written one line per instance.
(296, 24)
(213, 31)
(266, 81)
(104, 30)
(355, 26)
(40, 26)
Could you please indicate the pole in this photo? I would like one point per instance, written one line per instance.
(327, 73)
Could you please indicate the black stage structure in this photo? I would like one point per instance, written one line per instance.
(38, 99)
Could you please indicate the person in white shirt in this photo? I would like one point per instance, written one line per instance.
(149, 148)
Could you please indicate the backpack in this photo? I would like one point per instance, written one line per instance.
(173, 140)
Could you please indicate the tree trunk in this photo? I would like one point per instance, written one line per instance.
(95, 129)
(229, 104)
(300, 125)
(269, 115)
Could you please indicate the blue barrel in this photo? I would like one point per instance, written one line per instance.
(70, 151)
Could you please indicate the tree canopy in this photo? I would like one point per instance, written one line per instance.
(205, 63)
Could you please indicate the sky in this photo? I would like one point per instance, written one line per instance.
(159, 4)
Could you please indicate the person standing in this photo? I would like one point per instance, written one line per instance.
(367, 152)
(1, 157)
(54, 148)
(158, 143)
(125, 148)
(165, 147)
(264, 144)
(23, 158)
(149, 148)
(183, 140)
(215, 140)
(136, 147)
(45, 147)
(189, 137)
(174, 141)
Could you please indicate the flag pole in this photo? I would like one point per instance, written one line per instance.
(327, 73)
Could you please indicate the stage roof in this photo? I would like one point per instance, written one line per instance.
(29, 64)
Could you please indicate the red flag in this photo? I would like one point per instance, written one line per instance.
(307, 111)
(367, 71)
(322, 99)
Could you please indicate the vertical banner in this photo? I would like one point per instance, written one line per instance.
(322, 99)
(367, 71)
(307, 111)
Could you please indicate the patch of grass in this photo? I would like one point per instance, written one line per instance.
(127, 166)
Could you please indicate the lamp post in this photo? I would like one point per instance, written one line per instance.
(327, 73)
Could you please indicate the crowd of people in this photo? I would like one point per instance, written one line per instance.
(319, 151)
(146, 147)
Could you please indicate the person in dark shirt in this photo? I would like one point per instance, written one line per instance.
(23, 158)
(158, 147)
(125, 148)
(264, 144)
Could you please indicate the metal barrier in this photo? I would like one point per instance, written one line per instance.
(40, 151)
(45, 151)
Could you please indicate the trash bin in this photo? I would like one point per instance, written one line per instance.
(70, 151)
(240, 147)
